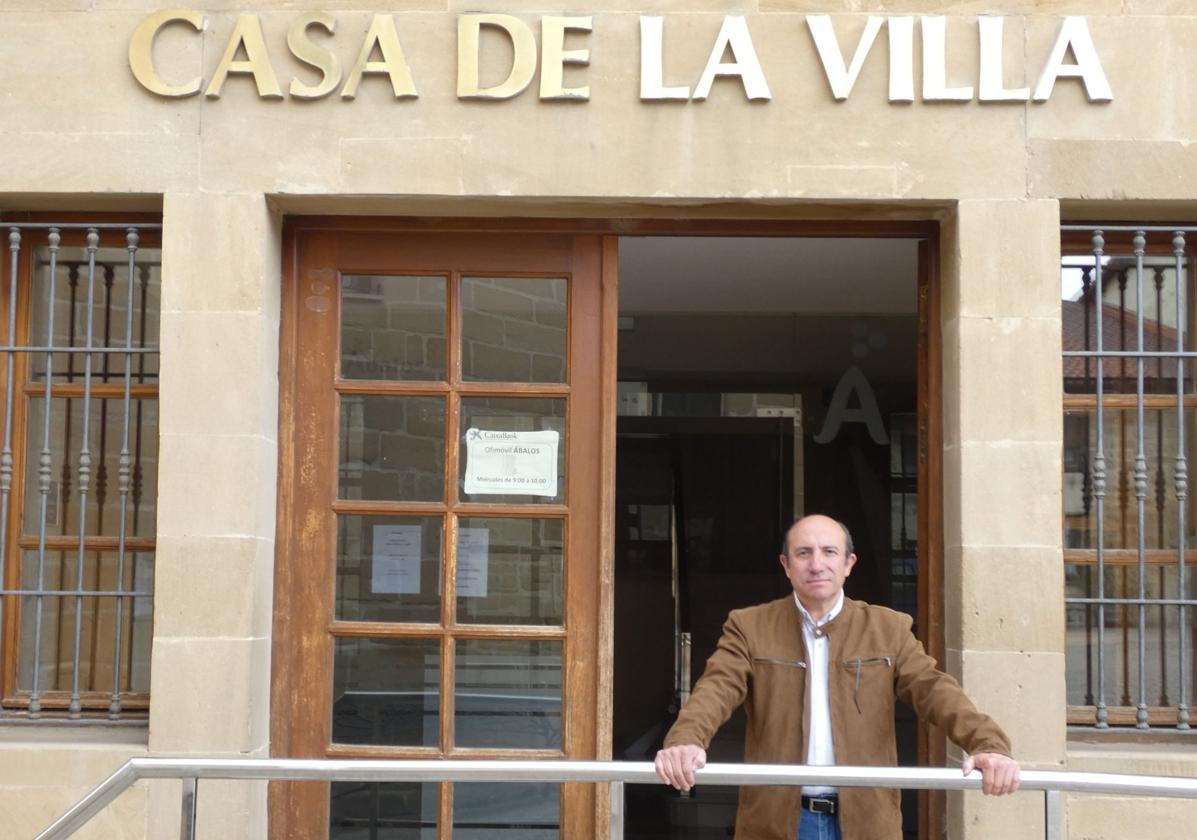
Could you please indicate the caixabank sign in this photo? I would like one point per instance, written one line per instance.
(325, 57)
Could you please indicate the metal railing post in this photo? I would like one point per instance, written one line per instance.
(187, 820)
(1053, 814)
(616, 810)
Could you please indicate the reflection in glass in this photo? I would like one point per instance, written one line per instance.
(513, 414)
(386, 691)
(393, 327)
(388, 568)
(392, 810)
(903, 501)
(105, 421)
(509, 571)
(508, 694)
(1119, 323)
(1121, 504)
(110, 315)
(903, 522)
(102, 571)
(392, 448)
(513, 329)
(482, 811)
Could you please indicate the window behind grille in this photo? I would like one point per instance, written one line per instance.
(78, 467)
(1129, 436)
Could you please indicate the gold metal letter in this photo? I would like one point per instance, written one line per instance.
(1074, 34)
(991, 86)
(935, 63)
(901, 59)
(141, 52)
(842, 77)
(555, 56)
(316, 56)
(247, 35)
(734, 35)
(652, 63)
(383, 35)
(523, 65)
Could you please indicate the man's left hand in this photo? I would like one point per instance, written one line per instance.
(999, 773)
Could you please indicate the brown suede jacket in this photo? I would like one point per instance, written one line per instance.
(761, 662)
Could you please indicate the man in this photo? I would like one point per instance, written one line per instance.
(818, 675)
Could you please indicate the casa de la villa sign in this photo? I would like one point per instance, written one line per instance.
(327, 57)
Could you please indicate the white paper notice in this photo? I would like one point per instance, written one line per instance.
(473, 546)
(396, 568)
(511, 463)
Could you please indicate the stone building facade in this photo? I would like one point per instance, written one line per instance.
(726, 113)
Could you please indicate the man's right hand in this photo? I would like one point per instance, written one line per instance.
(676, 765)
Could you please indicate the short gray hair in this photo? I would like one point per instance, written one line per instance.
(849, 546)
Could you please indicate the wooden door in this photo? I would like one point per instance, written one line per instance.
(437, 576)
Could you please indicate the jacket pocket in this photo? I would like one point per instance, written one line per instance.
(865, 665)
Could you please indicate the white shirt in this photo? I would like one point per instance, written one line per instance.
(820, 751)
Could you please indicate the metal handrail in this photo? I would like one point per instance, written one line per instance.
(616, 773)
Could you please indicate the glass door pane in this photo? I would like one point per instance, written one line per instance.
(508, 694)
(514, 329)
(510, 571)
(506, 811)
(386, 691)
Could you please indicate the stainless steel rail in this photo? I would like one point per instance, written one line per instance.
(615, 773)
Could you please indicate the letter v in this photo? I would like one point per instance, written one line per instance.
(841, 78)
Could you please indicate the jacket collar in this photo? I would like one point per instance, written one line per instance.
(848, 609)
(791, 621)
(827, 618)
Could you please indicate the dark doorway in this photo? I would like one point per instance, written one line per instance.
(738, 411)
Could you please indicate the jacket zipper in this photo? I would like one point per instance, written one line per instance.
(876, 660)
(859, 663)
(793, 663)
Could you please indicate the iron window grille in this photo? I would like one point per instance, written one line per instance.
(1129, 401)
(78, 469)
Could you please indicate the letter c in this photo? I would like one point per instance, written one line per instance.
(141, 52)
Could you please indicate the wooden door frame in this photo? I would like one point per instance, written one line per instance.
(932, 748)
(932, 744)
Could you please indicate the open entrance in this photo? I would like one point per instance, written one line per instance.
(451, 413)
(759, 379)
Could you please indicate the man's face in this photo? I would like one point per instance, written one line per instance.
(816, 562)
